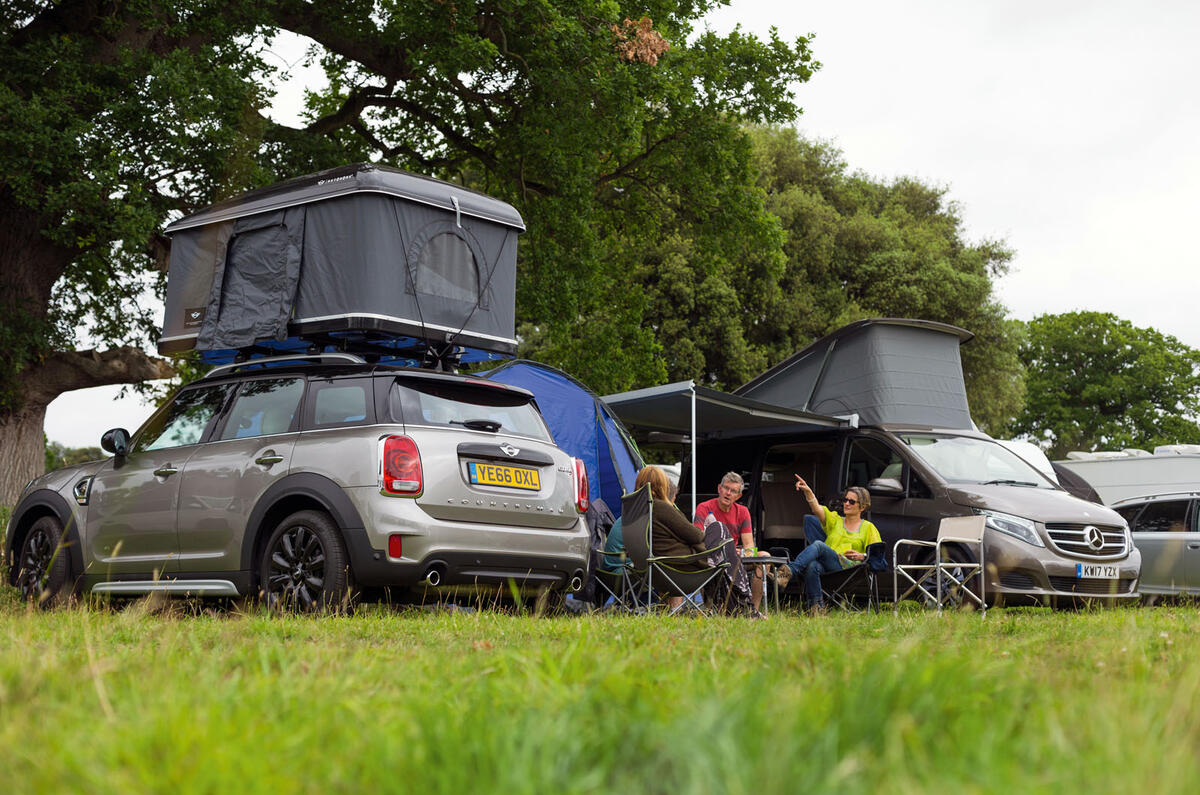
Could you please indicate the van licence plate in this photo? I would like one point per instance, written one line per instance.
(1090, 571)
(501, 475)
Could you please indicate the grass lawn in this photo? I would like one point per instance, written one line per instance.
(138, 700)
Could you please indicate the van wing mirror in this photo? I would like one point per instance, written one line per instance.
(116, 442)
(886, 487)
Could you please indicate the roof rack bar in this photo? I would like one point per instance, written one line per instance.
(292, 357)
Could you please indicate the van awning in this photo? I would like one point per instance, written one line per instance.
(718, 415)
(686, 407)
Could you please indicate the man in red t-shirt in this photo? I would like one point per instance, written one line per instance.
(736, 517)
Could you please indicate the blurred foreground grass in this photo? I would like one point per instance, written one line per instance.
(138, 700)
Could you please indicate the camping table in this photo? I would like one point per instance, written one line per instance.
(766, 560)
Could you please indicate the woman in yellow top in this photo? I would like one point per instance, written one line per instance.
(845, 544)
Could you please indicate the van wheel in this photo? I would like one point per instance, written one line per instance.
(304, 565)
(953, 578)
(42, 565)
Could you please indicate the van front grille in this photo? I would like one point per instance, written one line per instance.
(1087, 541)
(1073, 585)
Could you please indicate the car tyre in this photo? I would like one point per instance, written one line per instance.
(304, 565)
(43, 567)
(952, 580)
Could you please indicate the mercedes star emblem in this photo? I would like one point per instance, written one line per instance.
(1094, 537)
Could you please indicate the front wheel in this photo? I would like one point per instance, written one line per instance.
(304, 565)
(42, 568)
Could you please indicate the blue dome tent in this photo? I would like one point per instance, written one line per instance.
(582, 426)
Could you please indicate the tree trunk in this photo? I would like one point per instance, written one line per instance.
(24, 456)
(21, 436)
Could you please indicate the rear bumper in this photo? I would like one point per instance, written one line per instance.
(463, 554)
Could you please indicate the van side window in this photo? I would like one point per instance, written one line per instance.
(871, 459)
(1169, 516)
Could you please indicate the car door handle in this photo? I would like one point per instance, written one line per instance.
(268, 458)
(1193, 546)
(165, 472)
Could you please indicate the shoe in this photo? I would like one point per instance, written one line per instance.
(818, 610)
(783, 575)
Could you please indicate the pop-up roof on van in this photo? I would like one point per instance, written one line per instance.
(885, 370)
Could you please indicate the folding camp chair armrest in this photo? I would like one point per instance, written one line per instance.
(957, 540)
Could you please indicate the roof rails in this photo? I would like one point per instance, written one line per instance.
(315, 358)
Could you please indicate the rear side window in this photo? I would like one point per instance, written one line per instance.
(1170, 516)
(264, 407)
(340, 402)
(465, 406)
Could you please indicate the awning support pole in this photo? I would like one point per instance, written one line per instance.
(693, 467)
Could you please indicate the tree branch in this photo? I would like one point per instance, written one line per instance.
(64, 371)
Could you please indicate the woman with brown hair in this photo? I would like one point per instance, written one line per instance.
(672, 535)
(845, 544)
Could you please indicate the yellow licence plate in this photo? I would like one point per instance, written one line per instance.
(500, 475)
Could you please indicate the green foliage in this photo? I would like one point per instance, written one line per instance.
(58, 455)
(1096, 381)
(1024, 701)
(857, 247)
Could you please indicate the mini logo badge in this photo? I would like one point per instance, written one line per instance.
(509, 450)
(194, 316)
(1094, 538)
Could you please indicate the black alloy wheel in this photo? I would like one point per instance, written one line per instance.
(42, 565)
(304, 565)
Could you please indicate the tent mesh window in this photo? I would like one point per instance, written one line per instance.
(446, 267)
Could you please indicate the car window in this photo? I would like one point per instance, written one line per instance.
(1129, 513)
(1167, 516)
(264, 407)
(185, 420)
(340, 402)
(455, 405)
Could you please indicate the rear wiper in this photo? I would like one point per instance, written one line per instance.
(478, 425)
(1003, 482)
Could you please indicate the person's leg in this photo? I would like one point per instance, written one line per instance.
(823, 559)
(756, 585)
(813, 532)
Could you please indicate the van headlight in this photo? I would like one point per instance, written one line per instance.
(1016, 526)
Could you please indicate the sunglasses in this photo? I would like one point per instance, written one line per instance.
(850, 502)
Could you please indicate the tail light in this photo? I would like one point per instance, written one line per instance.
(581, 487)
(401, 467)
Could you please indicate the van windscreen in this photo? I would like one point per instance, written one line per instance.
(967, 459)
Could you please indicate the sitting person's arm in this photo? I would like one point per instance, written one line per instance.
(817, 509)
(678, 525)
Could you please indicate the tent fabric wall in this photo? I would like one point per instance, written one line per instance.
(884, 370)
(581, 425)
(358, 248)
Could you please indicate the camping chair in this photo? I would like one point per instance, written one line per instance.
(620, 583)
(637, 510)
(637, 520)
(952, 576)
(843, 588)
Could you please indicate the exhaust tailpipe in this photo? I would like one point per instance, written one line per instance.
(576, 583)
(432, 577)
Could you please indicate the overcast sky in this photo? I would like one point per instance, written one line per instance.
(1069, 129)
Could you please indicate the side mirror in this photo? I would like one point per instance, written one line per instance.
(886, 487)
(116, 442)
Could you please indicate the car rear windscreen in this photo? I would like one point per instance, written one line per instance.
(460, 405)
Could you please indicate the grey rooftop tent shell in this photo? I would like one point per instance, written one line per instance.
(885, 370)
(360, 249)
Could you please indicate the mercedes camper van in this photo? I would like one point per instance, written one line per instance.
(888, 411)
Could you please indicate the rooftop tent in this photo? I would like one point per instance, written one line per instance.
(360, 254)
(582, 426)
(885, 370)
